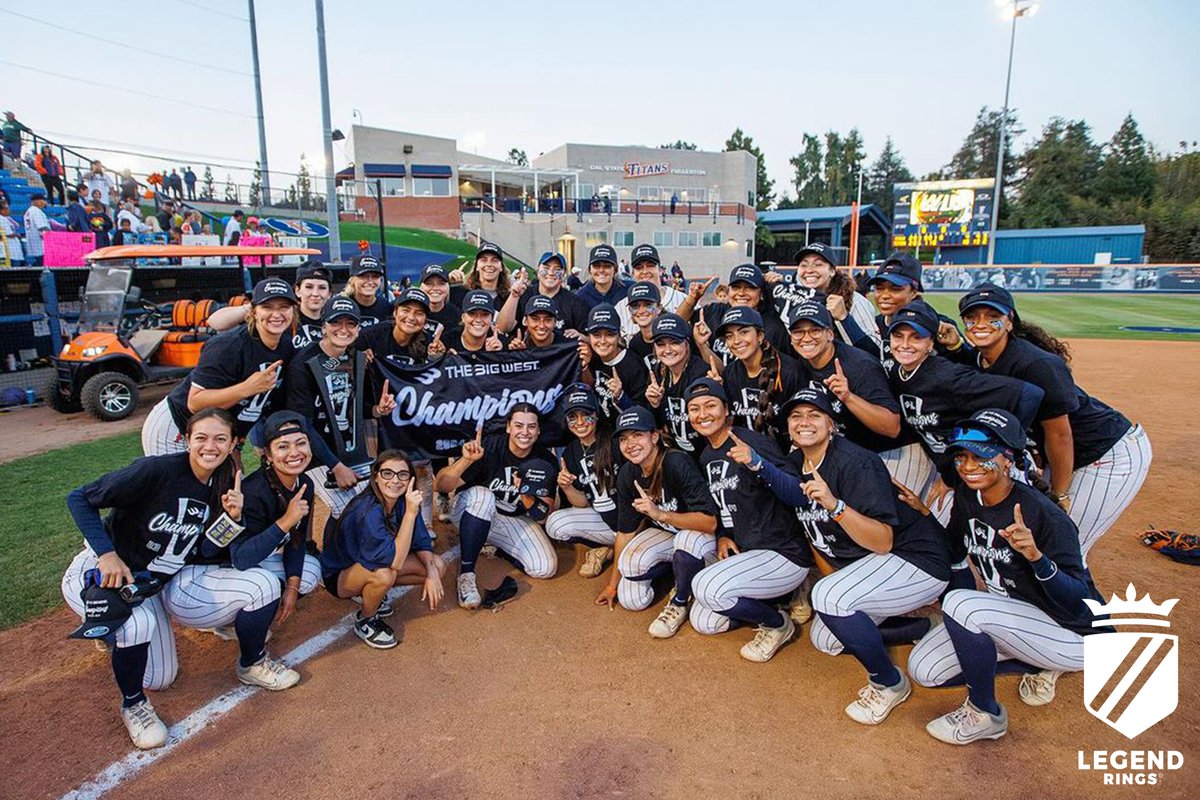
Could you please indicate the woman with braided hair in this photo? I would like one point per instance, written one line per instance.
(759, 377)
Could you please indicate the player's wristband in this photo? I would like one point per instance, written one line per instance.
(1044, 568)
(839, 511)
(756, 461)
(223, 531)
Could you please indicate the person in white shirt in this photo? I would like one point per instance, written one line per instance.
(647, 267)
(127, 213)
(97, 181)
(233, 228)
(36, 224)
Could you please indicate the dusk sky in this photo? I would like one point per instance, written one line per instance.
(534, 75)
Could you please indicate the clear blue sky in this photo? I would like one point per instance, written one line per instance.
(537, 74)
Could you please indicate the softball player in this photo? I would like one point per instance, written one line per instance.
(678, 367)
(365, 287)
(161, 507)
(239, 369)
(619, 378)
(646, 267)
(641, 307)
(665, 523)
(1096, 459)
(747, 289)
(587, 479)
(759, 377)
(443, 317)
(488, 274)
(381, 542)
(541, 325)
(1033, 607)
(476, 331)
(497, 483)
(817, 276)
(313, 285)
(887, 558)
(762, 554)
(572, 312)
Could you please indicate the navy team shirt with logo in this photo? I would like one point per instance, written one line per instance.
(228, 359)
(1006, 572)
(308, 330)
(1095, 427)
(712, 314)
(749, 512)
(634, 379)
(449, 319)
(672, 411)
(304, 393)
(684, 491)
(159, 512)
(867, 380)
(373, 314)
(940, 393)
(745, 396)
(581, 462)
(572, 312)
(497, 470)
(642, 350)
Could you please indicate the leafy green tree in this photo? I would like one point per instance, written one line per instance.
(764, 191)
(1057, 177)
(256, 186)
(678, 144)
(231, 193)
(809, 173)
(304, 185)
(208, 188)
(976, 157)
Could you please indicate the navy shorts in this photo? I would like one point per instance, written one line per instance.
(330, 579)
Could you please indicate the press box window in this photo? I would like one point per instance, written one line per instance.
(688, 238)
(593, 238)
(623, 239)
(392, 187)
(431, 187)
(664, 239)
(711, 239)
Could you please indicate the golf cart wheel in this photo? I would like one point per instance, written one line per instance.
(61, 403)
(110, 396)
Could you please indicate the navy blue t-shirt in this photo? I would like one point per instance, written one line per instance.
(581, 462)
(867, 380)
(495, 472)
(745, 395)
(684, 491)
(671, 413)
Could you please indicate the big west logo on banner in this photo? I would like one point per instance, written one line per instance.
(1113, 663)
(439, 405)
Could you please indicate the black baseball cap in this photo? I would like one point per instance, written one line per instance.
(580, 397)
(603, 252)
(990, 295)
(537, 478)
(705, 387)
(747, 273)
(313, 269)
(360, 265)
(989, 431)
(809, 396)
(644, 252)
(340, 306)
(603, 317)
(642, 291)
(636, 418)
(816, 313)
(919, 316)
(670, 326)
(104, 612)
(434, 271)
(899, 269)
(817, 249)
(283, 423)
(541, 304)
(412, 295)
(489, 247)
(739, 315)
(478, 300)
(270, 288)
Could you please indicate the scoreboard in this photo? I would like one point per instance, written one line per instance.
(956, 213)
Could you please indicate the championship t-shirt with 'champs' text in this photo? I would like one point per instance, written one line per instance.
(581, 462)
(684, 491)
(497, 472)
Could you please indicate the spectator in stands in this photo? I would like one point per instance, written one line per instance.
(193, 222)
(129, 187)
(674, 201)
(189, 178)
(165, 213)
(12, 130)
(77, 218)
(10, 230)
(677, 277)
(129, 213)
(49, 167)
(233, 228)
(97, 181)
(175, 184)
(206, 229)
(36, 225)
(252, 228)
(100, 223)
(151, 225)
(124, 233)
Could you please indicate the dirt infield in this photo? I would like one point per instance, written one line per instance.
(553, 697)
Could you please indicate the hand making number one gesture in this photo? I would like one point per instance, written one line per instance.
(1019, 537)
(387, 401)
(836, 383)
(473, 450)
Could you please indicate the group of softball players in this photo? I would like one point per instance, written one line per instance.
(786, 458)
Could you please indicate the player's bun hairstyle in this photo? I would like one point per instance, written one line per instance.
(1037, 335)
(222, 478)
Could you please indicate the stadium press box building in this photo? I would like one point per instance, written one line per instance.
(696, 207)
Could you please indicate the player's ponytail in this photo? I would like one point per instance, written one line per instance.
(842, 284)
(770, 384)
(603, 459)
(1039, 336)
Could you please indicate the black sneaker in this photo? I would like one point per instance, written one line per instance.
(385, 607)
(375, 632)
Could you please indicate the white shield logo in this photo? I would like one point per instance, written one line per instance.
(1131, 679)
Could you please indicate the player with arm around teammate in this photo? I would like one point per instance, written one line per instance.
(759, 376)
(161, 506)
(817, 271)
(587, 480)
(1033, 609)
(619, 377)
(380, 542)
(887, 559)
(761, 552)
(365, 287)
(1096, 459)
(665, 523)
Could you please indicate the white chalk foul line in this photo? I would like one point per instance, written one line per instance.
(129, 766)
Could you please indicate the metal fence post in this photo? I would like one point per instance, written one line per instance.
(50, 300)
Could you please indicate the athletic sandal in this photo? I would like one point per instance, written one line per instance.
(374, 632)
(767, 641)
(669, 620)
(271, 675)
(799, 608)
(874, 703)
(443, 508)
(968, 724)
(594, 561)
(468, 591)
(1037, 688)
(145, 728)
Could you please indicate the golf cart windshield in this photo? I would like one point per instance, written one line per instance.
(104, 296)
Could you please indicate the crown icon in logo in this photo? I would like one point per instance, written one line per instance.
(1131, 605)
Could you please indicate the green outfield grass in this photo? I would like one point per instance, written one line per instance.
(417, 238)
(38, 539)
(1098, 316)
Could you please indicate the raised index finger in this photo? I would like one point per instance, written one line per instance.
(837, 367)
(1017, 516)
(640, 490)
(237, 481)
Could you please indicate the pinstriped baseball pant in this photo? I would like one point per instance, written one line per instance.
(160, 435)
(911, 466)
(649, 548)
(309, 577)
(334, 498)
(519, 537)
(1019, 629)
(759, 574)
(583, 523)
(1102, 490)
(210, 596)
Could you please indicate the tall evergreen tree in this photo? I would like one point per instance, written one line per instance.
(1057, 173)
(208, 187)
(976, 157)
(1127, 172)
(764, 193)
(888, 170)
(809, 173)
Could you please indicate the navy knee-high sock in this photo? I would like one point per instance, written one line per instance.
(977, 654)
(129, 668)
(755, 612)
(686, 566)
(472, 536)
(861, 639)
(903, 630)
(654, 573)
(252, 627)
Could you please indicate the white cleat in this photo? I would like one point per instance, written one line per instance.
(1037, 688)
(968, 724)
(767, 641)
(594, 561)
(874, 703)
(799, 608)
(468, 591)
(145, 728)
(269, 674)
(669, 621)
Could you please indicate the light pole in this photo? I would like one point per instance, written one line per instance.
(1016, 8)
(264, 171)
(331, 206)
